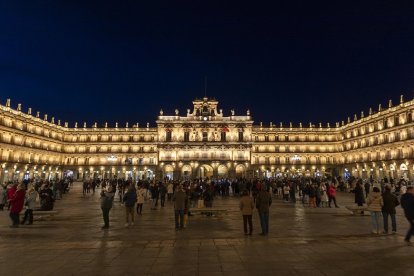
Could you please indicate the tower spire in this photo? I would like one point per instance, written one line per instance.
(205, 86)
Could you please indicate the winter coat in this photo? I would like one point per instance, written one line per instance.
(375, 202)
(263, 201)
(359, 195)
(31, 199)
(130, 197)
(17, 202)
(180, 199)
(332, 191)
(407, 203)
(390, 202)
(106, 199)
(141, 196)
(246, 205)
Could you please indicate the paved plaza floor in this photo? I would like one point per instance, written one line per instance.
(302, 241)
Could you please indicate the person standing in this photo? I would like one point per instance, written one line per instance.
(31, 195)
(332, 195)
(129, 199)
(107, 197)
(359, 195)
(180, 199)
(163, 192)
(407, 203)
(390, 202)
(3, 196)
(140, 199)
(246, 207)
(375, 203)
(16, 205)
(170, 191)
(263, 202)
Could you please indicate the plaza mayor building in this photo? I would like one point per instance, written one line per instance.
(206, 142)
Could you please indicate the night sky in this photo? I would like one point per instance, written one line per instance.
(124, 60)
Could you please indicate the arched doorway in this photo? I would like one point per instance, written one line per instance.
(205, 171)
(222, 171)
(168, 172)
(240, 171)
(186, 172)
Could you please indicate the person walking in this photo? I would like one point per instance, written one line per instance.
(107, 197)
(246, 208)
(263, 202)
(390, 202)
(31, 195)
(407, 203)
(375, 203)
(129, 199)
(180, 201)
(16, 205)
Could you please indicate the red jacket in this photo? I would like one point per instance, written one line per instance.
(17, 202)
(332, 191)
(11, 191)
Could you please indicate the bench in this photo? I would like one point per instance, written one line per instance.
(204, 210)
(40, 215)
(357, 210)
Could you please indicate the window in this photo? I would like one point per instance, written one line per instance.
(168, 136)
(186, 136)
(223, 136)
(266, 138)
(205, 136)
(240, 136)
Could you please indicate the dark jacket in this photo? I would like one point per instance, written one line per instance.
(263, 201)
(359, 195)
(180, 199)
(130, 197)
(106, 199)
(390, 202)
(407, 203)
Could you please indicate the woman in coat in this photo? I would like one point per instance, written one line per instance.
(16, 205)
(140, 199)
(31, 195)
(246, 207)
(375, 203)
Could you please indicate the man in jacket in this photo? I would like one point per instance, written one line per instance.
(263, 202)
(107, 197)
(388, 209)
(129, 199)
(407, 203)
(246, 207)
(180, 199)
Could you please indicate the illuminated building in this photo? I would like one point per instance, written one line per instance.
(205, 143)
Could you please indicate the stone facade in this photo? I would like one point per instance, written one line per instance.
(205, 143)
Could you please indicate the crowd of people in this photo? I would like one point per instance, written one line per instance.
(35, 195)
(381, 198)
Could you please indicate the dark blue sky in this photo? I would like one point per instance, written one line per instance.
(296, 61)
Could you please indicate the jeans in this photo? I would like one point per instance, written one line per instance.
(375, 220)
(28, 214)
(247, 219)
(393, 221)
(129, 212)
(179, 219)
(14, 218)
(105, 214)
(264, 222)
(410, 231)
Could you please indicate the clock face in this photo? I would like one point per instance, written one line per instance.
(205, 118)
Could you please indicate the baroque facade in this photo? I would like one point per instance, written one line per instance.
(205, 143)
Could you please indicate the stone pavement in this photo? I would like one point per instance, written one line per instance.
(302, 241)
